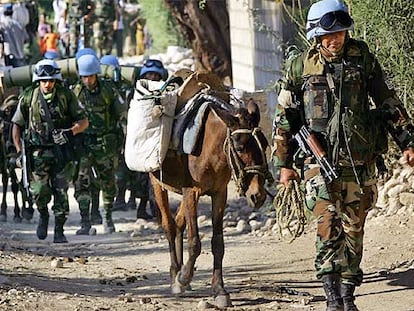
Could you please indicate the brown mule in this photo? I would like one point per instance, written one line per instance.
(232, 145)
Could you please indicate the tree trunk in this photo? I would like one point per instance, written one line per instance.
(207, 29)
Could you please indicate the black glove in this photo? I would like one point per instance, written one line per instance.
(15, 160)
(62, 136)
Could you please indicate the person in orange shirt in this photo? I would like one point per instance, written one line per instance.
(51, 40)
(42, 29)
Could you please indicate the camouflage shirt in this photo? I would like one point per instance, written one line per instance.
(104, 111)
(344, 101)
(63, 107)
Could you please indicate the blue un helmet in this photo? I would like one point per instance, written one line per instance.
(327, 16)
(110, 60)
(88, 65)
(153, 65)
(85, 51)
(51, 55)
(46, 69)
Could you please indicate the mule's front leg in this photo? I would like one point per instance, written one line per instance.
(222, 298)
(190, 200)
(168, 224)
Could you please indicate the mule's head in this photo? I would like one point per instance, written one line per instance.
(245, 148)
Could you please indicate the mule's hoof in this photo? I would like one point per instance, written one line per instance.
(177, 287)
(223, 301)
(3, 218)
(17, 219)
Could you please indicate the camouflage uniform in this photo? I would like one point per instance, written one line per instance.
(306, 99)
(49, 174)
(103, 28)
(79, 9)
(101, 146)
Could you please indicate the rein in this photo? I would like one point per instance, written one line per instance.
(238, 170)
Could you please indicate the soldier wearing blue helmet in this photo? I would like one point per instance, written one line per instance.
(46, 119)
(328, 93)
(97, 97)
(153, 69)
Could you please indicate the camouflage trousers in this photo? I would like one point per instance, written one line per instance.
(103, 34)
(137, 182)
(74, 36)
(46, 181)
(340, 209)
(100, 166)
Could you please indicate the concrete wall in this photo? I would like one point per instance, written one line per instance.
(256, 33)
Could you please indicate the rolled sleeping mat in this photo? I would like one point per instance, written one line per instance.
(17, 76)
(128, 73)
(22, 76)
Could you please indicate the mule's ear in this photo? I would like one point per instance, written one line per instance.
(254, 112)
(230, 120)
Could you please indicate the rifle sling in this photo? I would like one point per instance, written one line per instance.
(48, 117)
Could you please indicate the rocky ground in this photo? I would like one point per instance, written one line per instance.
(129, 270)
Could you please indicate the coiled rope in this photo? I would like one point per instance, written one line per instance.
(289, 204)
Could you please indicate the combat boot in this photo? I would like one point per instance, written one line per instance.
(347, 293)
(96, 218)
(85, 223)
(59, 236)
(141, 211)
(108, 224)
(119, 204)
(132, 203)
(41, 230)
(332, 287)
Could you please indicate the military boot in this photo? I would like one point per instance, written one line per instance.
(85, 223)
(347, 293)
(108, 224)
(332, 287)
(132, 203)
(119, 204)
(41, 230)
(141, 211)
(96, 218)
(59, 236)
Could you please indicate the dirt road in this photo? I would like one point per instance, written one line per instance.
(124, 272)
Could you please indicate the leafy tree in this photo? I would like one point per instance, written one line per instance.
(161, 25)
(388, 27)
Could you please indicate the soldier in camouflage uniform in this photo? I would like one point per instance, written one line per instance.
(101, 142)
(81, 18)
(104, 26)
(49, 116)
(329, 89)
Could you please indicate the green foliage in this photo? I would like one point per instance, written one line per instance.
(161, 25)
(388, 27)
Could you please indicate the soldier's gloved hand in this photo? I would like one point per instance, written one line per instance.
(61, 136)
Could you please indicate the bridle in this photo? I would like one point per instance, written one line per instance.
(239, 170)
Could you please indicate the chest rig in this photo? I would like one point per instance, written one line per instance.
(39, 130)
(327, 85)
(336, 105)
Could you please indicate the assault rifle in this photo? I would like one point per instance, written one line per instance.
(25, 169)
(309, 144)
